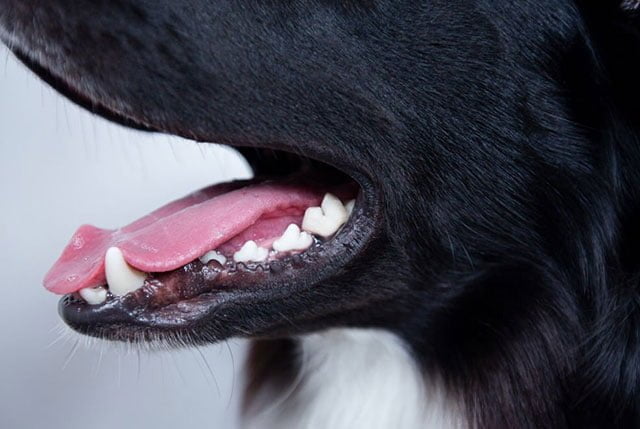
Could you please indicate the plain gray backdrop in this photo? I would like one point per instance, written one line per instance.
(61, 167)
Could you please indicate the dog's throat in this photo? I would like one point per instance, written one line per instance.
(209, 234)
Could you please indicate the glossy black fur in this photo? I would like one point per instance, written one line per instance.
(503, 140)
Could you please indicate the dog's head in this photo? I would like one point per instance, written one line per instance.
(493, 144)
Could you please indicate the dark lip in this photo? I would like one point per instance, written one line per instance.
(122, 319)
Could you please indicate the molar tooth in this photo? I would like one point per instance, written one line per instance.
(326, 219)
(94, 295)
(213, 255)
(121, 277)
(349, 206)
(250, 252)
(293, 239)
(333, 207)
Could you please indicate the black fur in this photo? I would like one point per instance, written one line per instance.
(502, 136)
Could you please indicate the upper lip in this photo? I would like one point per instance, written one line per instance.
(66, 88)
(60, 84)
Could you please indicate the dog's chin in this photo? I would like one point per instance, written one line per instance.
(204, 302)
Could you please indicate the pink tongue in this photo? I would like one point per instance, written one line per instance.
(177, 233)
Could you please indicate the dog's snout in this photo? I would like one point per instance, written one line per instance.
(226, 63)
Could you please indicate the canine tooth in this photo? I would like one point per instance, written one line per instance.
(293, 239)
(213, 256)
(94, 295)
(121, 277)
(326, 219)
(349, 206)
(250, 252)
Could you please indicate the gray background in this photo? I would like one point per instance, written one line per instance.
(61, 167)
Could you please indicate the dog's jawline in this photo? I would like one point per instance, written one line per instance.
(343, 378)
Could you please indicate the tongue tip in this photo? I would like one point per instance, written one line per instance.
(69, 274)
(73, 270)
(63, 283)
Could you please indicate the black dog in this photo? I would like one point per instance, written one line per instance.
(496, 146)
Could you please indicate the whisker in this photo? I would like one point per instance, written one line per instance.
(178, 370)
(71, 354)
(206, 363)
(233, 374)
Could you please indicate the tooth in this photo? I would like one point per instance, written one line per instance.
(326, 219)
(250, 252)
(349, 206)
(94, 295)
(293, 239)
(121, 277)
(213, 256)
(333, 207)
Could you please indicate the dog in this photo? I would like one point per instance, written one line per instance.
(460, 182)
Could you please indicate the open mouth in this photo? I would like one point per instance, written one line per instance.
(257, 240)
(201, 263)
(264, 238)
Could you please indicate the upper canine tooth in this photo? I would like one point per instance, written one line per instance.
(250, 252)
(121, 277)
(94, 295)
(213, 255)
(326, 219)
(293, 239)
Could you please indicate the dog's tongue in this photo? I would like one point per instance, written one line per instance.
(177, 233)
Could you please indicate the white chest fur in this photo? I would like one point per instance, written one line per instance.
(353, 379)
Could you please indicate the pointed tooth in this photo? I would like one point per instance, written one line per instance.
(333, 208)
(288, 238)
(349, 206)
(293, 239)
(261, 254)
(94, 295)
(213, 255)
(326, 219)
(292, 232)
(250, 252)
(121, 277)
(305, 240)
(246, 252)
(314, 221)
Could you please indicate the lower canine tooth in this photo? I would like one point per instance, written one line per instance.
(121, 277)
(326, 219)
(94, 295)
(213, 256)
(250, 252)
(293, 239)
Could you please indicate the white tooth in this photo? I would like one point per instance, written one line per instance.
(121, 277)
(349, 206)
(250, 252)
(293, 239)
(326, 219)
(213, 256)
(333, 207)
(94, 295)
